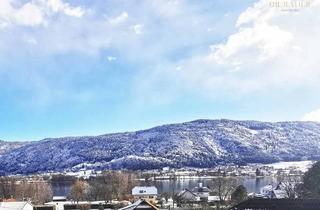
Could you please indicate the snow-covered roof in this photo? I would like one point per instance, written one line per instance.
(59, 198)
(186, 191)
(144, 190)
(140, 204)
(15, 206)
(201, 190)
(266, 189)
(280, 194)
(213, 198)
(188, 195)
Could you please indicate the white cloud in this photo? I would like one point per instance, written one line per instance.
(257, 36)
(266, 40)
(29, 15)
(35, 13)
(137, 28)
(271, 50)
(119, 19)
(60, 6)
(259, 13)
(111, 58)
(312, 116)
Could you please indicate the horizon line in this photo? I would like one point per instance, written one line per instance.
(152, 127)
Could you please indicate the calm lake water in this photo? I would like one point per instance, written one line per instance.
(251, 183)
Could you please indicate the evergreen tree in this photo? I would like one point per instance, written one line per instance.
(310, 188)
(239, 194)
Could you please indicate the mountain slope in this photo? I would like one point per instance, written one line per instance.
(201, 143)
(6, 147)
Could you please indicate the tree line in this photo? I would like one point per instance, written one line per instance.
(105, 187)
(38, 190)
(111, 185)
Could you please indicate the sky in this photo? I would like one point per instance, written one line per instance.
(90, 67)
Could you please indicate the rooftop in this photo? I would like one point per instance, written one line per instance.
(139, 205)
(144, 190)
(278, 204)
(13, 205)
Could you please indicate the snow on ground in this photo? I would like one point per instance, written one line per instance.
(302, 165)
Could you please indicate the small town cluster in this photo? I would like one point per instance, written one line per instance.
(124, 190)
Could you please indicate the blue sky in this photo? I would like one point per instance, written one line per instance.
(80, 67)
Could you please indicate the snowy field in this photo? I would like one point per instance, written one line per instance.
(302, 165)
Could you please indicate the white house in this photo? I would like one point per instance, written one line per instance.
(270, 191)
(148, 193)
(60, 205)
(213, 198)
(202, 192)
(59, 198)
(15, 206)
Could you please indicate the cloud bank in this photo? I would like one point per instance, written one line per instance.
(175, 47)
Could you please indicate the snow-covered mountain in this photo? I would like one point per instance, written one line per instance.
(8, 146)
(200, 143)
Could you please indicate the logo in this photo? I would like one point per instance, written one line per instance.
(290, 5)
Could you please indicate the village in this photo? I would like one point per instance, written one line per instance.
(124, 190)
(294, 168)
(147, 197)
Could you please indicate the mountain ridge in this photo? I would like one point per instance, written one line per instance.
(198, 143)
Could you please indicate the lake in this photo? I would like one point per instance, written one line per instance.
(252, 184)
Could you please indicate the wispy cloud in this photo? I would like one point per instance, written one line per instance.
(312, 116)
(176, 43)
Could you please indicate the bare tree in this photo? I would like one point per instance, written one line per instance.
(7, 187)
(37, 191)
(98, 190)
(78, 190)
(42, 192)
(112, 184)
(223, 187)
(84, 206)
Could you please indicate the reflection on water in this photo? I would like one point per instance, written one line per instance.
(252, 184)
(61, 188)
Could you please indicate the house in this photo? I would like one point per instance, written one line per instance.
(165, 169)
(58, 205)
(148, 193)
(141, 205)
(186, 196)
(16, 206)
(279, 194)
(71, 205)
(213, 199)
(269, 191)
(278, 204)
(59, 198)
(266, 191)
(202, 192)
